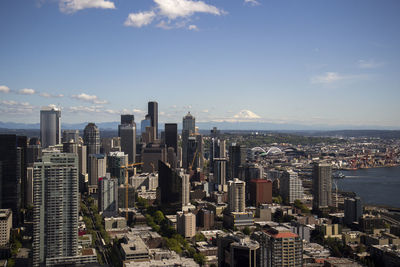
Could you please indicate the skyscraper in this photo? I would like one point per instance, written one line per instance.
(236, 195)
(188, 130)
(115, 163)
(12, 173)
(96, 168)
(171, 136)
(91, 138)
(173, 187)
(352, 210)
(260, 192)
(291, 187)
(108, 196)
(127, 131)
(220, 173)
(153, 112)
(55, 212)
(237, 158)
(50, 126)
(279, 247)
(322, 185)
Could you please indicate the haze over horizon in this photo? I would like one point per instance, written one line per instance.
(333, 63)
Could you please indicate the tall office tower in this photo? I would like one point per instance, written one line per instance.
(260, 192)
(291, 187)
(96, 168)
(50, 126)
(171, 157)
(173, 188)
(12, 173)
(55, 212)
(108, 196)
(91, 139)
(322, 185)
(128, 141)
(237, 159)
(192, 153)
(33, 153)
(82, 155)
(115, 162)
(352, 210)
(171, 136)
(279, 247)
(186, 224)
(236, 250)
(153, 112)
(188, 129)
(151, 155)
(68, 135)
(145, 123)
(127, 119)
(236, 195)
(220, 173)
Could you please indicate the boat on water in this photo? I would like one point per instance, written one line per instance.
(338, 175)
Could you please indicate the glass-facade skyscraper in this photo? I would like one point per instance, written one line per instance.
(50, 126)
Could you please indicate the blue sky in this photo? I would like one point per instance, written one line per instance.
(302, 61)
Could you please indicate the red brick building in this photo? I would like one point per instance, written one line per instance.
(260, 192)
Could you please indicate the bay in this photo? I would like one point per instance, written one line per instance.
(379, 186)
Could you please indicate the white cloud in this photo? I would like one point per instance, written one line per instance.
(26, 91)
(4, 89)
(14, 107)
(246, 115)
(327, 78)
(138, 111)
(139, 19)
(171, 14)
(193, 27)
(71, 6)
(184, 8)
(48, 95)
(89, 98)
(252, 2)
(369, 64)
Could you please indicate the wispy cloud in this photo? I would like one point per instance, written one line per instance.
(369, 64)
(252, 2)
(4, 89)
(72, 6)
(327, 78)
(193, 27)
(89, 98)
(49, 95)
(26, 91)
(171, 14)
(14, 107)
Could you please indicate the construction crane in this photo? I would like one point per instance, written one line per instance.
(196, 153)
(127, 168)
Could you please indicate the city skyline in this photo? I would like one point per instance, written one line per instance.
(286, 62)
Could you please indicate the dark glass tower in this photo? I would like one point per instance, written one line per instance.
(153, 112)
(127, 132)
(237, 159)
(13, 173)
(91, 138)
(171, 136)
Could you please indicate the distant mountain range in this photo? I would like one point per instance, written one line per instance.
(245, 126)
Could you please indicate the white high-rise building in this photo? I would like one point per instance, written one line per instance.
(236, 195)
(50, 126)
(55, 212)
(291, 187)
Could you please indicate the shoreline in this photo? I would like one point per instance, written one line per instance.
(364, 168)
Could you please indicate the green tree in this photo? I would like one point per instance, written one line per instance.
(199, 258)
(246, 230)
(158, 217)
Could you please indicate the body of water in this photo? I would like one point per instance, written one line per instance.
(379, 186)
